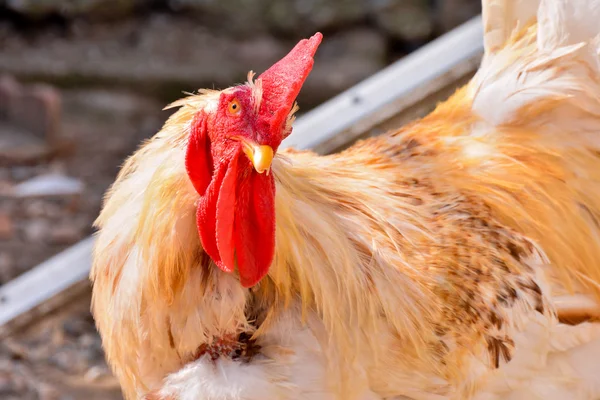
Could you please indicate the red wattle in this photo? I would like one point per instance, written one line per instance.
(225, 210)
(236, 220)
(206, 217)
(255, 228)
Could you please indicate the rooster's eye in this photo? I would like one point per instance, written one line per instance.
(234, 107)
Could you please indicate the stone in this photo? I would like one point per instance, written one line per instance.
(34, 108)
(11, 382)
(42, 208)
(29, 121)
(6, 188)
(96, 373)
(46, 391)
(37, 230)
(90, 340)
(22, 173)
(44, 112)
(67, 360)
(7, 267)
(66, 233)
(37, 109)
(305, 17)
(407, 20)
(27, 153)
(75, 327)
(48, 186)
(6, 227)
(9, 88)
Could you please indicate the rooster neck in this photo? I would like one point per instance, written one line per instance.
(327, 253)
(361, 237)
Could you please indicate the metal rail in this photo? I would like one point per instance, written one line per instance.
(328, 127)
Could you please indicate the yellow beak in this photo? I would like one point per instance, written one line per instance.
(260, 156)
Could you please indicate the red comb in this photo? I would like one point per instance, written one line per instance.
(282, 82)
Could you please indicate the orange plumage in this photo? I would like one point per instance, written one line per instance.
(454, 258)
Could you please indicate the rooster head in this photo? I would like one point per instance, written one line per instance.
(231, 146)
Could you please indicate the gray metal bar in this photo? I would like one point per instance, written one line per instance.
(43, 282)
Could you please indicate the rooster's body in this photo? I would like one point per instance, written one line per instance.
(455, 258)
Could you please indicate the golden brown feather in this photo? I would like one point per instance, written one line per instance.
(417, 259)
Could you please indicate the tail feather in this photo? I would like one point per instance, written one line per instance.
(552, 55)
(536, 106)
(502, 17)
(563, 22)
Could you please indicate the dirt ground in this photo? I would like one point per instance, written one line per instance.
(59, 358)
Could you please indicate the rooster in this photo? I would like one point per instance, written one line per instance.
(454, 258)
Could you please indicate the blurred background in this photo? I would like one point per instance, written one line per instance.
(82, 82)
